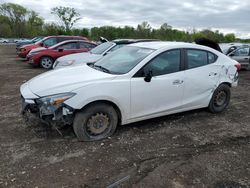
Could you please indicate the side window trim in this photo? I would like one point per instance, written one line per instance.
(186, 58)
(181, 68)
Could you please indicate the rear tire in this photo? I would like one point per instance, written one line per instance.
(220, 99)
(46, 62)
(96, 122)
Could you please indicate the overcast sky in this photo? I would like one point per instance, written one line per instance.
(225, 15)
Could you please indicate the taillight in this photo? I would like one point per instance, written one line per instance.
(238, 66)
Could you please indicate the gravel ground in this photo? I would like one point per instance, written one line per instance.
(191, 149)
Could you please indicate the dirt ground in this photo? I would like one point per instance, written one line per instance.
(192, 149)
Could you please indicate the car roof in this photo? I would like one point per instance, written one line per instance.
(130, 41)
(68, 41)
(160, 44)
(66, 36)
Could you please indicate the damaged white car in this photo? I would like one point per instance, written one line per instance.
(136, 82)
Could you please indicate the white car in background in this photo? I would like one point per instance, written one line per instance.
(96, 53)
(136, 82)
(4, 40)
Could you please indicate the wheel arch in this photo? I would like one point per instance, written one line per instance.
(226, 83)
(45, 56)
(108, 102)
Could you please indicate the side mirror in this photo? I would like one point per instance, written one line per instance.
(60, 50)
(106, 53)
(148, 76)
(41, 44)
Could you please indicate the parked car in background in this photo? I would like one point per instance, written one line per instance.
(2, 40)
(45, 57)
(19, 40)
(25, 42)
(228, 48)
(96, 53)
(46, 42)
(136, 82)
(242, 55)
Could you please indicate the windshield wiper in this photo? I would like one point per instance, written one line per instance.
(101, 67)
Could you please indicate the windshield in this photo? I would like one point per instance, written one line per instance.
(124, 59)
(102, 48)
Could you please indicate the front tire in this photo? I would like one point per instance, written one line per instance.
(220, 99)
(46, 62)
(96, 122)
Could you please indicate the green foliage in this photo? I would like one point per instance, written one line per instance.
(16, 15)
(17, 21)
(67, 15)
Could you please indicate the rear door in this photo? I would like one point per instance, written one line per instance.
(201, 77)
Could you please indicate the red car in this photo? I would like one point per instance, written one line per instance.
(46, 57)
(46, 42)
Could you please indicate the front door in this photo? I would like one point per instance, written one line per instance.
(163, 92)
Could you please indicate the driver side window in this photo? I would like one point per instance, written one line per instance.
(165, 63)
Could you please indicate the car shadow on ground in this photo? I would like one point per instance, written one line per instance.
(46, 132)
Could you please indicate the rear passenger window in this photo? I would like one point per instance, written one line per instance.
(196, 58)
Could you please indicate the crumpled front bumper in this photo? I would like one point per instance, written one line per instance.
(34, 113)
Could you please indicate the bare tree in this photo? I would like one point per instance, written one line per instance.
(67, 15)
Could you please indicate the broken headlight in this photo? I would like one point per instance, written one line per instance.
(55, 100)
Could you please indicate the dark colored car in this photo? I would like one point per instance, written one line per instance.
(25, 42)
(46, 57)
(46, 42)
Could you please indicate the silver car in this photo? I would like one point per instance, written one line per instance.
(242, 55)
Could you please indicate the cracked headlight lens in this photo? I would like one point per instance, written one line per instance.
(56, 100)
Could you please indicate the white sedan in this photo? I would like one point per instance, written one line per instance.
(4, 40)
(136, 82)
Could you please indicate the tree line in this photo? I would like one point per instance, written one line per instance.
(18, 21)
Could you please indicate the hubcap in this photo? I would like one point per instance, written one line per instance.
(220, 98)
(97, 124)
(46, 62)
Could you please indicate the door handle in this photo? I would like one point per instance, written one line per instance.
(177, 82)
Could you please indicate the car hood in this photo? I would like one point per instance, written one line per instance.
(66, 80)
(85, 57)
